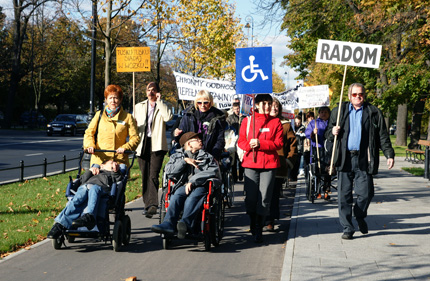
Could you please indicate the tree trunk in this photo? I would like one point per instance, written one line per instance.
(416, 122)
(402, 121)
(108, 44)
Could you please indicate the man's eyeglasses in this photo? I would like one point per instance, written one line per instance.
(202, 102)
(357, 94)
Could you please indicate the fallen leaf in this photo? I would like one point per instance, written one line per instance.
(131, 278)
(45, 178)
(36, 221)
(11, 203)
(39, 213)
(11, 209)
(27, 248)
(392, 244)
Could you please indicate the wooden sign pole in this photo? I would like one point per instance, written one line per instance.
(337, 122)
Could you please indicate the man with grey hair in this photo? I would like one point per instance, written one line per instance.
(361, 132)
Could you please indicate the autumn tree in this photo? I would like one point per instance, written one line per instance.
(396, 25)
(207, 37)
(23, 11)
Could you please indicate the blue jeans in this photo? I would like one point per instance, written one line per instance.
(191, 204)
(86, 198)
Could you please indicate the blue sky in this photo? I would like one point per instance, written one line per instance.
(268, 36)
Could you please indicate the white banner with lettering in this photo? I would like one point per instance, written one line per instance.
(222, 91)
(313, 96)
(348, 53)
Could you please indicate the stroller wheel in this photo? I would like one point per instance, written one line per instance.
(57, 243)
(117, 236)
(166, 243)
(126, 223)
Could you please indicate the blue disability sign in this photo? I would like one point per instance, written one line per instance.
(254, 70)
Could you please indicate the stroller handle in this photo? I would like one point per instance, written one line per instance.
(107, 150)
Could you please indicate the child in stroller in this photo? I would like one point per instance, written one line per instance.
(95, 183)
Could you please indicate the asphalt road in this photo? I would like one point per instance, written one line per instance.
(237, 257)
(32, 147)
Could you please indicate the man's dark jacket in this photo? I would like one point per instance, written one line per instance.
(374, 136)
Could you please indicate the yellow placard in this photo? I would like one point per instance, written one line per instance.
(133, 59)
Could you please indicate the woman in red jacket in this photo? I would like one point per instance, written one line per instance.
(260, 166)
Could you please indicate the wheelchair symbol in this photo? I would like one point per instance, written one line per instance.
(252, 69)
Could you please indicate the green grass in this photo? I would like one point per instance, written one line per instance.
(415, 171)
(28, 209)
(398, 150)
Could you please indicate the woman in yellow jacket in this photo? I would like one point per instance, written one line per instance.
(113, 127)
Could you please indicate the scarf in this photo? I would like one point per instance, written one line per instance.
(112, 112)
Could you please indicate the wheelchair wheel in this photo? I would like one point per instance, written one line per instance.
(229, 189)
(308, 183)
(117, 236)
(57, 243)
(126, 222)
(217, 223)
(315, 183)
(207, 241)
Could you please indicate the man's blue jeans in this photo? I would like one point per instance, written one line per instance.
(87, 196)
(191, 204)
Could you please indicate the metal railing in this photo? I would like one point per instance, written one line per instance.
(44, 166)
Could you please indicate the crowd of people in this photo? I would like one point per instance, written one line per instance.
(275, 151)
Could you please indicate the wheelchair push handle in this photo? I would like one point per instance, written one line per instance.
(114, 151)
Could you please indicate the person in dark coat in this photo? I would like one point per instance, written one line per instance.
(361, 133)
(207, 120)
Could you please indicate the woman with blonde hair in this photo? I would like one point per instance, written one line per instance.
(203, 118)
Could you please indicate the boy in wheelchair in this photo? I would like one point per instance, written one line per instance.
(94, 183)
(190, 167)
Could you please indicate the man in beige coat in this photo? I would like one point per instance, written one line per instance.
(151, 116)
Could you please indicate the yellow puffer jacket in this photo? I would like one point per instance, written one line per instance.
(112, 134)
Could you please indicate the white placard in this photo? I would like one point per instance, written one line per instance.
(314, 96)
(222, 91)
(348, 53)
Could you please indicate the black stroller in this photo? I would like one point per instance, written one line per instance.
(110, 206)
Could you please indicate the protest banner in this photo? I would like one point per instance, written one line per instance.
(347, 53)
(133, 59)
(222, 91)
(313, 96)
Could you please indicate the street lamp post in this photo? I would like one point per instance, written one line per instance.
(250, 24)
(93, 58)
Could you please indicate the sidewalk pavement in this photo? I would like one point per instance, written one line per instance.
(397, 246)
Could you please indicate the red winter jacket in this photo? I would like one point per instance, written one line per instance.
(269, 132)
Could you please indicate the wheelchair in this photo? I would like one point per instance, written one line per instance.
(227, 178)
(317, 177)
(209, 224)
(111, 213)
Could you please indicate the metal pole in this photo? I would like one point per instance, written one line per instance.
(45, 167)
(21, 166)
(64, 164)
(93, 58)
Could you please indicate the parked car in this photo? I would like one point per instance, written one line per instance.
(393, 129)
(32, 119)
(67, 124)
